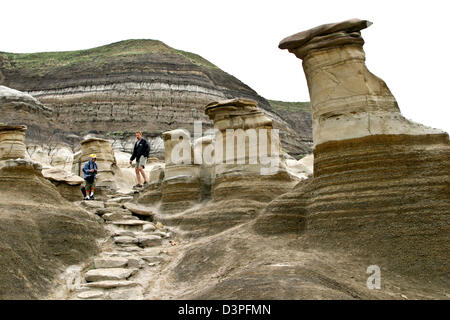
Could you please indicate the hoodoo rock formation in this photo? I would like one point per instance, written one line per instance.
(381, 183)
(181, 187)
(235, 173)
(248, 160)
(68, 184)
(134, 84)
(106, 162)
(12, 144)
(18, 107)
(229, 215)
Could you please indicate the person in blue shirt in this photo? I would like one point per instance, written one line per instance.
(90, 172)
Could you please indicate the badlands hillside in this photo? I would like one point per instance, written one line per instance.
(130, 85)
(365, 216)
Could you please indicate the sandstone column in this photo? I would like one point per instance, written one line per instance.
(106, 161)
(347, 100)
(12, 144)
(181, 186)
(247, 154)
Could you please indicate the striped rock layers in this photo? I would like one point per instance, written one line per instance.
(381, 185)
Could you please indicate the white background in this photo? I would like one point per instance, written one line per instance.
(407, 46)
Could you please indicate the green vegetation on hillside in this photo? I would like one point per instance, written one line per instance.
(290, 106)
(41, 61)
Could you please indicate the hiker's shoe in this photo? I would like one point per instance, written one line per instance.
(145, 183)
(86, 198)
(92, 197)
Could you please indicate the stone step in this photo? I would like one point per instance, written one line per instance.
(149, 240)
(125, 240)
(126, 233)
(91, 294)
(120, 199)
(112, 205)
(128, 248)
(139, 210)
(108, 284)
(115, 216)
(96, 275)
(161, 234)
(129, 222)
(111, 262)
(93, 204)
(150, 227)
(133, 293)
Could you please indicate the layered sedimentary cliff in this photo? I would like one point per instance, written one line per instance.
(129, 85)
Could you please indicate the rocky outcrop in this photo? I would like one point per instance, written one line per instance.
(18, 108)
(40, 232)
(106, 162)
(381, 183)
(12, 144)
(68, 184)
(131, 85)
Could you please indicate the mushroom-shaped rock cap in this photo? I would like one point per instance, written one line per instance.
(93, 139)
(231, 104)
(237, 102)
(301, 38)
(21, 128)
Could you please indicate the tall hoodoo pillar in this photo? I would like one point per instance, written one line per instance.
(381, 182)
(348, 101)
(12, 144)
(247, 152)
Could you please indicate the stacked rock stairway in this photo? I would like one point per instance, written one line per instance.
(130, 259)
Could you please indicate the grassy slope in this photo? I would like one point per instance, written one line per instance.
(290, 106)
(41, 61)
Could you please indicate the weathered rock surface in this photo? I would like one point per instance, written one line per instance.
(68, 184)
(41, 233)
(131, 85)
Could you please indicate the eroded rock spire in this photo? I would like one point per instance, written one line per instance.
(348, 101)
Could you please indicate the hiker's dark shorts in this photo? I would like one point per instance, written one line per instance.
(89, 185)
